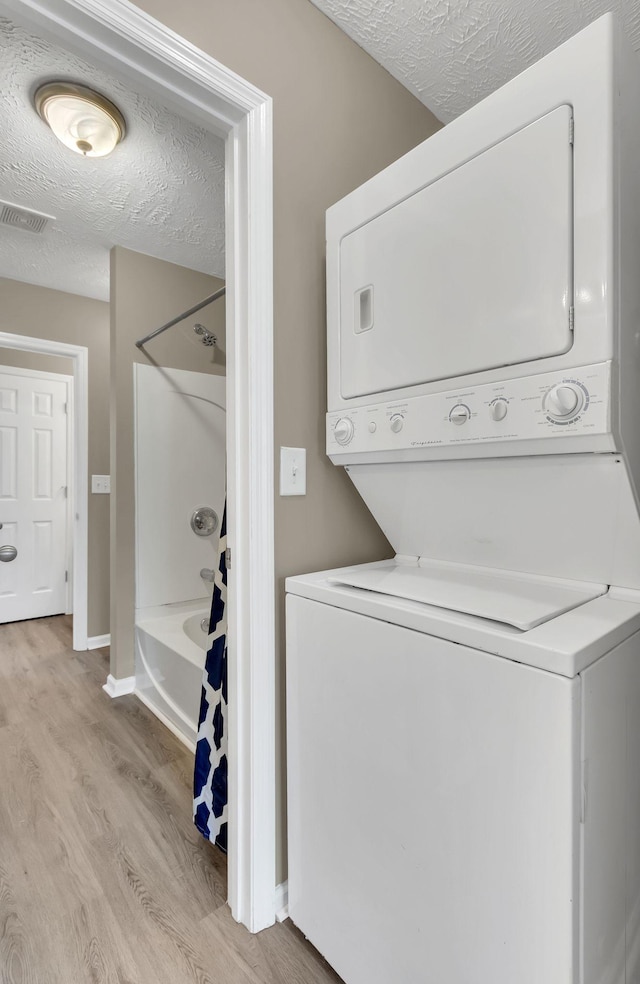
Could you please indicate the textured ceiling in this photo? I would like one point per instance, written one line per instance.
(161, 191)
(452, 53)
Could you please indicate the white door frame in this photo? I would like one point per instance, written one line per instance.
(126, 41)
(79, 355)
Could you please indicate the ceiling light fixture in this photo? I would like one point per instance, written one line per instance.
(81, 118)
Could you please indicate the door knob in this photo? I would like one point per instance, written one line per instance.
(204, 521)
(8, 553)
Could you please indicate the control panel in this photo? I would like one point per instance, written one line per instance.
(527, 408)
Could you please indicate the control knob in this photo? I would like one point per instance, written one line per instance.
(343, 430)
(396, 423)
(498, 410)
(563, 402)
(459, 414)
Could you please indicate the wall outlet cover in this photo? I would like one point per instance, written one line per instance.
(101, 484)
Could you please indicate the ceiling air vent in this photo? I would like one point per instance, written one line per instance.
(23, 218)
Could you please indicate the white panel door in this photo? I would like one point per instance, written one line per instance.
(33, 493)
(473, 272)
(432, 806)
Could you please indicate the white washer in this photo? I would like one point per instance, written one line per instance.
(458, 816)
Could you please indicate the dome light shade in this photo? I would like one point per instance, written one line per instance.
(83, 120)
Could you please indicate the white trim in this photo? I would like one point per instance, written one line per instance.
(168, 723)
(250, 477)
(79, 354)
(71, 501)
(135, 46)
(282, 901)
(119, 687)
(99, 642)
(32, 373)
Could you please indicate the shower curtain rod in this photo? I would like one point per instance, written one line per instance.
(181, 317)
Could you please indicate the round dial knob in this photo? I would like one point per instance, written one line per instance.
(459, 414)
(498, 410)
(563, 401)
(396, 423)
(343, 431)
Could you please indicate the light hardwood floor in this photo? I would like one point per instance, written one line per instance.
(103, 877)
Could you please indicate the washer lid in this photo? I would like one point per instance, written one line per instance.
(520, 600)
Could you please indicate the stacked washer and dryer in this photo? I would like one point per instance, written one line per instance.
(464, 720)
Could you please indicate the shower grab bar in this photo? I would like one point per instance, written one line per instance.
(185, 314)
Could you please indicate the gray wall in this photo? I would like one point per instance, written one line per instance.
(339, 118)
(35, 361)
(39, 312)
(146, 293)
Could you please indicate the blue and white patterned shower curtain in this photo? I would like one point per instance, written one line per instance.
(210, 774)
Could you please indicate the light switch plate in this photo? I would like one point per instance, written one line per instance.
(293, 471)
(101, 484)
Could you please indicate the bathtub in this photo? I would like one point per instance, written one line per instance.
(169, 660)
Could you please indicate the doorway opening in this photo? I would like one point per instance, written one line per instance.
(148, 55)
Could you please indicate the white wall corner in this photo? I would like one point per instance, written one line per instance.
(282, 901)
(99, 642)
(119, 687)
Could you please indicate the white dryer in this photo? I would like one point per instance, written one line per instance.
(464, 720)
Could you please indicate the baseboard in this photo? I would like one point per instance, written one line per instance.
(118, 688)
(282, 901)
(99, 642)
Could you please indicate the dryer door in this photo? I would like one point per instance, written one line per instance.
(473, 272)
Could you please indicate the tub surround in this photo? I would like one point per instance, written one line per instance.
(180, 466)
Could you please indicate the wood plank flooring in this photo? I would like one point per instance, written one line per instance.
(103, 877)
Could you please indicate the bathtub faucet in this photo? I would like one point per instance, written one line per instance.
(207, 575)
